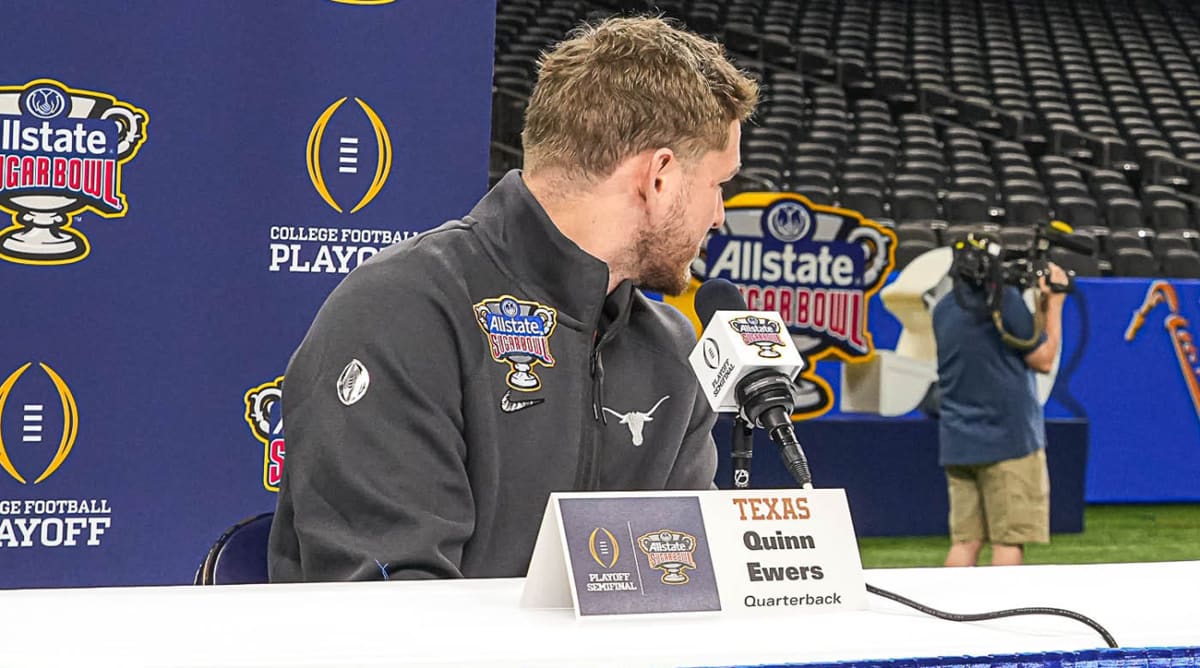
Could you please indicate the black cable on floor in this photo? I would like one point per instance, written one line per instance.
(1014, 612)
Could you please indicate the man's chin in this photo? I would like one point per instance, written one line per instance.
(667, 285)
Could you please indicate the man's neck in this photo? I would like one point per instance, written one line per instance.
(590, 219)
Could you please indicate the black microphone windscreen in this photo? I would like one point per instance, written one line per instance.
(715, 295)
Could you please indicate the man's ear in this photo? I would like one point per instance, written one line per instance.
(663, 166)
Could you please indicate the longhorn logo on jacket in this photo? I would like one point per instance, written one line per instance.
(636, 420)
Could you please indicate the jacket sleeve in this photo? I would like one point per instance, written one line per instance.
(374, 486)
(696, 464)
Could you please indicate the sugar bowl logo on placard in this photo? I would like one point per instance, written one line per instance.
(39, 426)
(62, 151)
(671, 552)
(817, 266)
(349, 159)
(264, 414)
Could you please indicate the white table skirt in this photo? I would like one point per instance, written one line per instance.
(479, 623)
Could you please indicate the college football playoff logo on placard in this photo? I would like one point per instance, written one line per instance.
(264, 414)
(350, 151)
(62, 151)
(37, 412)
(604, 548)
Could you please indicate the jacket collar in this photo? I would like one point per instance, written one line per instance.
(551, 267)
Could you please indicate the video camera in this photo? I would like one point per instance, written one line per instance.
(983, 262)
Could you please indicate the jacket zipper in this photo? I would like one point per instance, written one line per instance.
(589, 455)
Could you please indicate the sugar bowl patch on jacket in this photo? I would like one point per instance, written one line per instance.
(518, 333)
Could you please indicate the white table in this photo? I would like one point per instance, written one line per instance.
(478, 623)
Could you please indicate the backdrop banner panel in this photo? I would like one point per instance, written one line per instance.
(181, 186)
(1129, 366)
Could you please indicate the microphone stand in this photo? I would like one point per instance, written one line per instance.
(742, 450)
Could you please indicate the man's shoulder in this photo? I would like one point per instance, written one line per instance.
(664, 321)
(416, 273)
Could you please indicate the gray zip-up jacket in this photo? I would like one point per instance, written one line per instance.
(453, 381)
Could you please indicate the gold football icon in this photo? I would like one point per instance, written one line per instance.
(33, 422)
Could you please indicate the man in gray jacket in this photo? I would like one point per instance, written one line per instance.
(455, 380)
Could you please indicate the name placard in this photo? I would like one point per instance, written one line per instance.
(746, 551)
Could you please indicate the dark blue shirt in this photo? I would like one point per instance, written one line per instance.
(989, 406)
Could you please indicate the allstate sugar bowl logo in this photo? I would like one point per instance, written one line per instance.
(789, 220)
(61, 153)
(671, 552)
(814, 265)
(817, 266)
(759, 332)
(264, 415)
(518, 334)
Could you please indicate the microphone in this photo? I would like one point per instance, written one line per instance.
(745, 362)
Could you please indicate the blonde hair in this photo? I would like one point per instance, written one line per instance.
(626, 85)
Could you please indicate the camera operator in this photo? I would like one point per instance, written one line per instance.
(992, 436)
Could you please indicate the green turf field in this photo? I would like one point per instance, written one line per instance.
(1121, 533)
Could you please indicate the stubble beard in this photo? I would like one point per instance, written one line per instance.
(664, 263)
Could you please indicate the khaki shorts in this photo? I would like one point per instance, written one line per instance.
(1006, 502)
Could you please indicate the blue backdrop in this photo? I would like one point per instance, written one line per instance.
(1144, 429)
(241, 130)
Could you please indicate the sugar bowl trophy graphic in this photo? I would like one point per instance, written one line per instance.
(61, 153)
(518, 332)
(671, 552)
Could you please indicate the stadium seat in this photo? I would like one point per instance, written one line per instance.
(920, 231)
(1026, 210)
(1134, 262)
(906, 251)
(1167, 214)
(911, 205)
(1078, 211)
(965, 207)
(1181, 263)
(1126, 238)
(1123, 212)
(867, 201)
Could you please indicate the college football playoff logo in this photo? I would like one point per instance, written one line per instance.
(354, 144)
(61, 153)
(37, 401)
